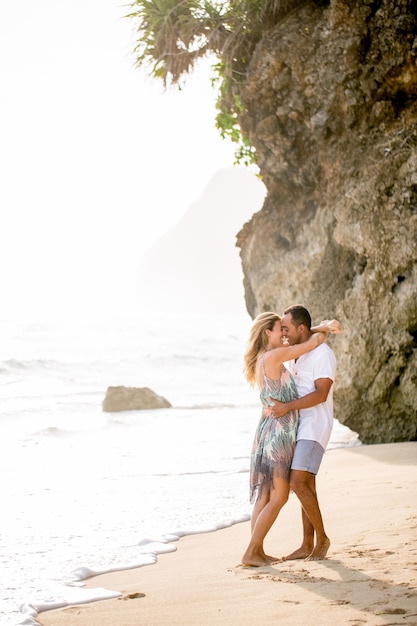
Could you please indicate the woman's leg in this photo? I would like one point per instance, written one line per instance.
(265, 517)
(260, 502)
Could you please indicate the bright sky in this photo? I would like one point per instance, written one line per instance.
(96, 160)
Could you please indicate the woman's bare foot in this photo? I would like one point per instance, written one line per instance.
(255, 559)
(319, 551)
(302, 553)
(272, 559)
(255, 562)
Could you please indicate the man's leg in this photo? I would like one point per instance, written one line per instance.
(307, 544)
(303, 484)
(305, 465)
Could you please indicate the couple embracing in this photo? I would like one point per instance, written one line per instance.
(295, 424)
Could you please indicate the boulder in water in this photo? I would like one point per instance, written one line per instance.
(132, 399)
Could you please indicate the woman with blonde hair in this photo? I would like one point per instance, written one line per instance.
(275, 438)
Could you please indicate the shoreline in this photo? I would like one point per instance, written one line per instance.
(368, 497)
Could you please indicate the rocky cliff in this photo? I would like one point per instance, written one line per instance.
(331, 107)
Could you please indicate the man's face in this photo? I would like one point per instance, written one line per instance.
(290, 332)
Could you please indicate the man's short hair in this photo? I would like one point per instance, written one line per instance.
(299, 315)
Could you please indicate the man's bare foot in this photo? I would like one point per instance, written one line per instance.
(301, 553)
(319, 551)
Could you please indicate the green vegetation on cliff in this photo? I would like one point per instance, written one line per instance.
(173, 35)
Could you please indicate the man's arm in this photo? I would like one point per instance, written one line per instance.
(319, 395)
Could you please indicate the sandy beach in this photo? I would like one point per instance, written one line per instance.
(368, 497)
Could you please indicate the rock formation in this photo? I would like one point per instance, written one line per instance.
(331, 107)
(132, 399)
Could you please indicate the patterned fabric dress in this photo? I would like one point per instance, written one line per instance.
(275, 438)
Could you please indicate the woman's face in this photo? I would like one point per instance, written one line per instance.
(275, 336)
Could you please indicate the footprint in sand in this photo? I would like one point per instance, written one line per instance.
(392, 612)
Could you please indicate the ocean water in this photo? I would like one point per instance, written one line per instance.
(85, 491)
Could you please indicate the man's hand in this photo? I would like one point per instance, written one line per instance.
(278, 410)
(331, 326)
(319, 395)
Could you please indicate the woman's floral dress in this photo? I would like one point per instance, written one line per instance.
(275, 438)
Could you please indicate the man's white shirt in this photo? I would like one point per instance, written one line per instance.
(316, 422)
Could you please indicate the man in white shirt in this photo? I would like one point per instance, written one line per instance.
(314, 374)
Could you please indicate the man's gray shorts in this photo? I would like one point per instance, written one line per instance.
(307, 456)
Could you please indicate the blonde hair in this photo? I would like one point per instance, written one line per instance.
(258, 340)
